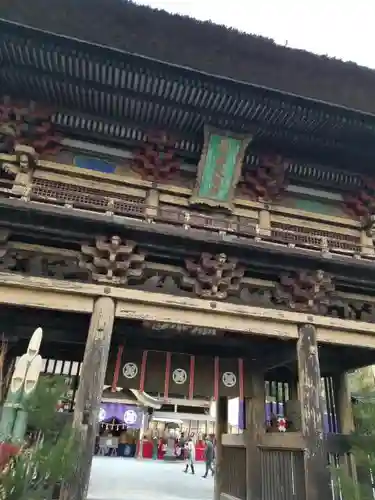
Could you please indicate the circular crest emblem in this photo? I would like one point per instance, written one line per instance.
(102, 414)
(130, 370)
(130, 417)
(179, 376)
(229, 379)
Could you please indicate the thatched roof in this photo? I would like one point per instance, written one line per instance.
(200, 45)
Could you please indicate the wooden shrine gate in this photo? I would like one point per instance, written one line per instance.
(256, 465)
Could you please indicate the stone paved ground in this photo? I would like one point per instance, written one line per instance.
(131, 479)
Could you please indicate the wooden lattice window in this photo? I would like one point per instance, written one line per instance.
(84, 197)
(306, 235)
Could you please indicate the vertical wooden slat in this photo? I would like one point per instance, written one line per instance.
(216, 378)
(241, 378)
(143, 371)
(50, 366)
(167, 374)
(192, 375)
(330, 404)
(59, 367)
(66, 368)
(283, 395)
(221, 428)
(117, 368)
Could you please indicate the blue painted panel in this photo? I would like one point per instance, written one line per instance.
(92, 163)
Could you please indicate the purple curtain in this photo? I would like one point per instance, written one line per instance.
(128, 414)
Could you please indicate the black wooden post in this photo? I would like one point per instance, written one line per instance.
(221, 428)
(89, 393)
(255, 430)
(317, 475)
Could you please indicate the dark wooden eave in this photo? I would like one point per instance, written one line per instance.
(203, 46)
(100, 91)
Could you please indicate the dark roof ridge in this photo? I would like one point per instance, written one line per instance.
(13, 15)
(255, 37)
(202, 46)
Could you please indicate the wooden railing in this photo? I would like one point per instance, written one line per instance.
(92, 199)
(315, 239)
(245, 223)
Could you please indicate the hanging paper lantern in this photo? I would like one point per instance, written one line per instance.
(281, 424)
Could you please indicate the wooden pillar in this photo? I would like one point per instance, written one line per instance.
(144, 425)
(255, 430)
(317, 476)
(367, 244)
(221, 428)
(7, 364)
(343, 403)
(89, 393)
(152, 204)
(345, 420)
(264, 222)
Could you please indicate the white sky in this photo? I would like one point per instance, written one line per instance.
(343, 29)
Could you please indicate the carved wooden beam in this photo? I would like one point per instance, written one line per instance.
(26, 125)
(213, 276)
(305, 290)
(218, 277)
(267, 181)
(112, 260)
(156, 161)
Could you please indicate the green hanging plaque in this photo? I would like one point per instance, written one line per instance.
(219, 168)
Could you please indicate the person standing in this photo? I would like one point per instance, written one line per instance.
(182, 444)
(155, 446)
(190, 456)
(209, 456)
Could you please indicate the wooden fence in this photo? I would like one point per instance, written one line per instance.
(282, 470)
